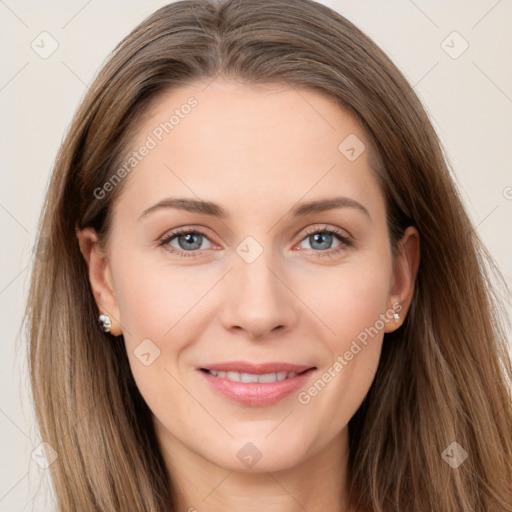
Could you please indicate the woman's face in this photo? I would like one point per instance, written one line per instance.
(258, 281)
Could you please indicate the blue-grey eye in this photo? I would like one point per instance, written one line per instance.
(320, 241)
(189, 241)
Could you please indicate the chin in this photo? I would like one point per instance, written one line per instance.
(260, 454)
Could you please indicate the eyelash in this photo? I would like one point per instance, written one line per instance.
(345, 242)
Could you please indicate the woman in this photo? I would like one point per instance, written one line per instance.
(263, 291)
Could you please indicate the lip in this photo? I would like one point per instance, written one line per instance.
(256, 394)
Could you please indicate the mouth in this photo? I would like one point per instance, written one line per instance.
(256, 384)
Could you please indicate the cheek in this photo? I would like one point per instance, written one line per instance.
(154, 299)
(352, 303)
(160, 310)
(350, 299)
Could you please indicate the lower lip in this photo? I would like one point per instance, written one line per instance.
(256, 393)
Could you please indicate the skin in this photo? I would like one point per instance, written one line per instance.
(257, 152)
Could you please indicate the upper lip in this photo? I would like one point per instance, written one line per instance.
(256, 368)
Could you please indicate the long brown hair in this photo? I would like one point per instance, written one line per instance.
(443, 377)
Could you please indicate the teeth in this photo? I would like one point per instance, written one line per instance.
(249, 378)
(233, 376)
(268, 377)
(246, 377)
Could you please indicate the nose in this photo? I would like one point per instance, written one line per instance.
(258, 299)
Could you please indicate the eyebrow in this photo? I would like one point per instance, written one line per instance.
(215, 210)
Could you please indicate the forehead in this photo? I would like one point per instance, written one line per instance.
(251, 144)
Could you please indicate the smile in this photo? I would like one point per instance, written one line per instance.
(256, 384)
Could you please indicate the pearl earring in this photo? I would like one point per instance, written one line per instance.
(105, 322)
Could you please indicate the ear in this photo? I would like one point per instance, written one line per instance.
(405, 268)
(100, 276)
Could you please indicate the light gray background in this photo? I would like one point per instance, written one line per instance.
(469, 99)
